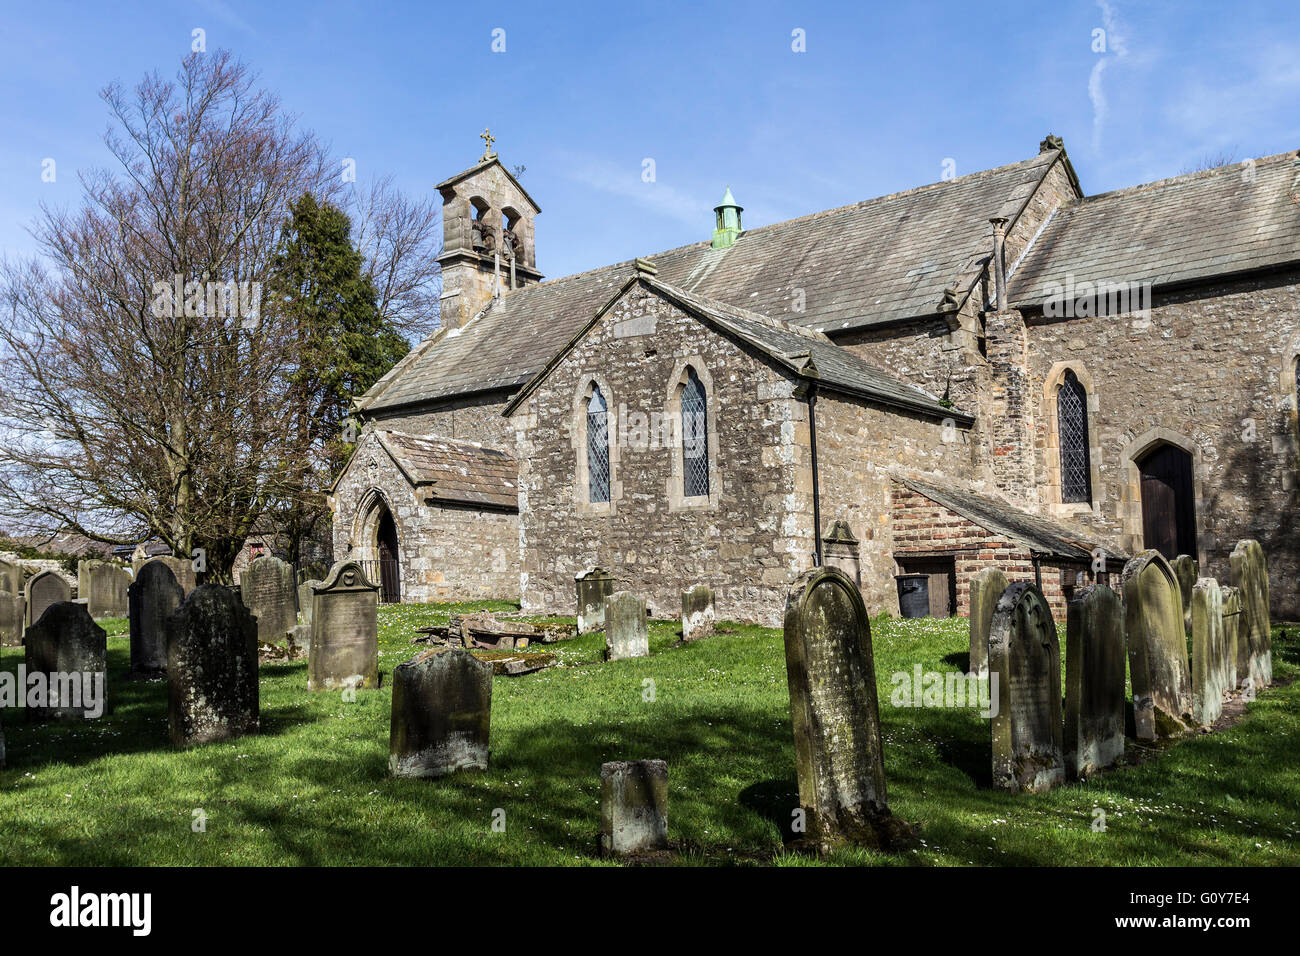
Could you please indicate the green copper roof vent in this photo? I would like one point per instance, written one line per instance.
(728, 221)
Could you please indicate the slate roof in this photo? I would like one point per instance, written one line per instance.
(874, 262)
(1039, 535)
(1185, 229)
(463, 472)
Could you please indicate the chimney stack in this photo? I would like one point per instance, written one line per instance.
(999, 260)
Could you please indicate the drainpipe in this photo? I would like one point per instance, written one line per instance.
(816, 483)
(999, 260)
(1038, 571)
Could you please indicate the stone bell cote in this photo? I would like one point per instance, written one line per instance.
(487, 237)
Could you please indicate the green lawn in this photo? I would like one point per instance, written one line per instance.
(313, 787)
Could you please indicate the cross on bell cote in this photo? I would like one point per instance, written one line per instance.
(488, 140)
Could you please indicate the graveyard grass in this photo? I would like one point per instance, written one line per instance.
(313, 788)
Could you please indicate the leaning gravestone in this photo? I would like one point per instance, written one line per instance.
(698, 615)
(211, 668)
(626, 630)
(1231, 623)
(41, 591)
(345, 631)
(153, 597)
(633, 806)
(1254, 640)
(11, 604)
(102, 585)
(833, 708)
(268, 591)
(1025, 657)
(1094, 681)
(71, 650)
(442, 714)
(594, 586)
(1209, 652)
(986, 588)
(181, 568)
(1187, 572)
(1157, 648)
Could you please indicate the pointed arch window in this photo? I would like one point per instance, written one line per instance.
(597, 447)
(695, 437)
(1072, 433)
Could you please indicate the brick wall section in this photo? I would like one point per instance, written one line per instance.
(446, 551)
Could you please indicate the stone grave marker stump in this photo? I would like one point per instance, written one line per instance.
(211, 668)
(633, 807)
(442, 714)
(698, 614)
(1094, 681)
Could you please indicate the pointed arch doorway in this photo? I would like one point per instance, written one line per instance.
(388, 552)
(1168, 500)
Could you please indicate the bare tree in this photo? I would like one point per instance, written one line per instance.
(1224, 157)
(145, 383)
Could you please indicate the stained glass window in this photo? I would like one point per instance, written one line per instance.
(597, 447)
(1072, 432)
(695, 437)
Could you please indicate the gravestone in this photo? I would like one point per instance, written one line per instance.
(986, 587)
(840, 550)
(181, 568)
(442, 714)
(344, 631)
(594, 586)
(1187, 572)
(102, 585)
(267, 588)
(71, 650)
(1254, 640)
(834, 711)
(627, 632)
(212, 689)
(1094, 681)
(1231, 623)
(1157, 648)
(42, 590)
(1209, 652)
(11, 604)
(633, 806)
(153, 597)
(698, 614)
(1025, 655)
(304, 600)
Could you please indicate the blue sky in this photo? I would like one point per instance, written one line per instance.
(713, 93)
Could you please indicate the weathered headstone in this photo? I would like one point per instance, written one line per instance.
(1094, 681)
(11, 604)
(344, 631)
(1187, 572)
(594, 585)
(833, 708)
(698, 614)
(1254, 639)
(840, 550)
(211, 668)
(986, 588)
(11, 577)
(181, 568)
(153, 597)
(102, 585)
(42, 590)
(1209, 652)
(268, 591)
(71, 650)
(304, 600)
(633, 806)
(442, 714)
(627, 632)
(1025, 655)
(1157, 648)
(1231, 625)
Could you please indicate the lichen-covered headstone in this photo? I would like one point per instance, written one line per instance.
(304, 600)
(840, 549)
(71, 651)
(344, 631)
(1094, 681)
(1209, 652)
(594, 586)
(698, 614)
(627, 632)
(1025, 655)
(1231, 623)
(11, 604)
(986, 587)
(102, 585)
(1187, 572)
(211, 668)
(153, 597)
(442, 714)
(633, 806)
(42, 590)
(1157, 648)
(1254, 640)
(268, 591)
(833, 707)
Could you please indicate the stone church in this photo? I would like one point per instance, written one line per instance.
(990, 370)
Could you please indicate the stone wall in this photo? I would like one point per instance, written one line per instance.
(747, 540)
(473, 418)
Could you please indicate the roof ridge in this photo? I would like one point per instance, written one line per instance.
(1181, 178)
(762, 318)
